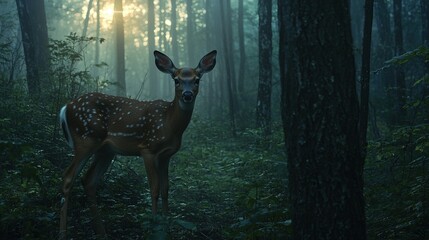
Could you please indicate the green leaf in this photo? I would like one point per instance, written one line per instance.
(186, 225)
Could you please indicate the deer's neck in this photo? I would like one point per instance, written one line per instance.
(179, 117)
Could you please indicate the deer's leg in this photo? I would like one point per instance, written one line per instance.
(90, 181)
(153, 179)
(69, 175)
(163, 177)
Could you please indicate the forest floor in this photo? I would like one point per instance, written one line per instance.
(220, 188)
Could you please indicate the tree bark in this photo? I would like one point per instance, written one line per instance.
(242, 48)
(365, 75)
(228, 65)
(281, 16)
(321, 123)
(190, 31)
(399, 70)
(385, 46)
(120, 49)
(32, 18)
(153, 83)
(174, 39)
(263, 107)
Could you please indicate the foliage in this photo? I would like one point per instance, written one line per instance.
(70, 72)
(397, 166)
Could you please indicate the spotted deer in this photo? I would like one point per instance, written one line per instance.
(103, 126)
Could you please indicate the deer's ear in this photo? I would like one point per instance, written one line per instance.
(164, 63)
(207, 63)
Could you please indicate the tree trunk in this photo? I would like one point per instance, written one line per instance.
(228, 66)
(263, 108)
(425, 34)
(365, 75)
(321, 123)
(281, 16)
(120, 49)
(97, 43)
(174, 39)
(242, 48)
(153, 83)
(32, 18)
(190, 31)
(86, 21)
(399, 70)
(385, 46)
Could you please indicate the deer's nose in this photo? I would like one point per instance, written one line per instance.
(187, 96)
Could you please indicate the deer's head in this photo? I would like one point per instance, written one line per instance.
(186, 79)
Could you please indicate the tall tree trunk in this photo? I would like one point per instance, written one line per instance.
(228, 65)
(190, 31)
(86, 21)
(385, 46)
(232, 82)
(365, 75)
(263, 108)
(153, 83)
(281, 16)
(32, 18)
(120, 49)
(97, 43)
(425, 32)
(399, 70)
(174, 40)
(321, 123)
(242, 48)
(209, 45)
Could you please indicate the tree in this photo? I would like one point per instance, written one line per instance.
(120, 49)
(399, 71)
(174, 40)
(190, 30)
(321, 122)
(263, 107)
(153, 84)
(242, 48)
(365, 74)
(228, 65)
(34, 30)
(385, 46)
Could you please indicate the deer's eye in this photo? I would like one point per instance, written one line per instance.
(197, 82)
(177, 82)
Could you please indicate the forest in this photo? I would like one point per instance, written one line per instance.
(311, 120)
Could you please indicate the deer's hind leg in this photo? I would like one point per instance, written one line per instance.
(102, 160)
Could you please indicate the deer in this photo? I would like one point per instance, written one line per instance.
(103, 126)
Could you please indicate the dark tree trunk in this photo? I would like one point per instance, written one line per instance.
(281, 15)
(242, 49)
(174, 39)
(425, 33)
(97, 43)
(399, 70)
(385, 46)
(120, 49)
(153, 83)
(321, 123)
(32, 18)
(190, 31)
(228, 65)
(365, 75)
(263, 107)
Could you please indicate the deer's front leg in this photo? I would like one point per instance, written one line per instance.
(163, 176)
(153, 179)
